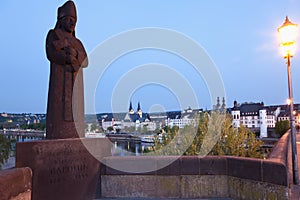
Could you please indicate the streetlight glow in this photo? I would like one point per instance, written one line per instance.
(288, 101)
(287, 35)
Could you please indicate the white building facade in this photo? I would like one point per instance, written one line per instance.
(255, 116)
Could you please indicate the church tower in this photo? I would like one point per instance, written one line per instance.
(131, 111)
(223, 108)
(218, 105)
(139, 110)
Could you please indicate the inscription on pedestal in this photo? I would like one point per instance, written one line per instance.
(68, 172)
(63, 169)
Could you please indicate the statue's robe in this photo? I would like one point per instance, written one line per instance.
(65, 108)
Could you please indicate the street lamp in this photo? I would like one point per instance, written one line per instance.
(287, 35)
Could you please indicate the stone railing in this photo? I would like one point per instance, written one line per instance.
(282, 152)
(176, 177)
(195, 177)
(15, 184)
(200, 177)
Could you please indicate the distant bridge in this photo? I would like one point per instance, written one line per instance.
(123, 138)
(23, 135)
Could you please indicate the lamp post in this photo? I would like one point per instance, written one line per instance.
(287, 35)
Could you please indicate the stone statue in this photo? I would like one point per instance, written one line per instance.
(65, 109)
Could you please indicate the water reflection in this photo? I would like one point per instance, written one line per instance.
(130, 148)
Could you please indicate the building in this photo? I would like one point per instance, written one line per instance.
(220, 107)
(285, 114)
(182, 118)
(255, 116)
(130, 121)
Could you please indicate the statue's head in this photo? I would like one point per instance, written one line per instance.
(67, 17)
(68, 9)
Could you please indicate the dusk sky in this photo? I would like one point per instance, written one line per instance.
(240, 37)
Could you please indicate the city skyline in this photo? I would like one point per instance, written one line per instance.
(240, 38)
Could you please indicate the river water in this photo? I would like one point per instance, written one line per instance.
(119, 148)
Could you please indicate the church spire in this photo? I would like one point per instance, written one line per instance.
(218, 103)
(139, 107)
(223, 104)
(139, 110)
(131, 111)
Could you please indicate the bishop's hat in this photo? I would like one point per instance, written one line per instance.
(68, 9)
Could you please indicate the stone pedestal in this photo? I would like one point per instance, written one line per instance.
(64, 168)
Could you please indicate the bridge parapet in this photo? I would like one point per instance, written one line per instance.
(181, 177)
(281, 150)
(194, 177)
(15, 184)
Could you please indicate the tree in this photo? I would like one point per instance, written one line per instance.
(145, 128)
(38, 126)
(237, 142)
(5, 148)
(231, 141)
(212, 135)
(281, 127)
(93, 127)
(110, 128)
(130, 129)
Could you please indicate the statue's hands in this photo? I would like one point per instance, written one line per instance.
(71, 56)
(71, 51)
(71, 60)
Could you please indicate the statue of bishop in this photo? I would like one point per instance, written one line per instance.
(65, 108)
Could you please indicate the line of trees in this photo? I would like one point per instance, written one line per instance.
(38, 126)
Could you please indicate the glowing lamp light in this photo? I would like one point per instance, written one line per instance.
(287, 35)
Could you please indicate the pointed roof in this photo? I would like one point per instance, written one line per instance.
(223, 103)
(130, 106)
(139, 107)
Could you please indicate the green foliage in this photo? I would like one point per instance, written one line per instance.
(5, 148)
(145, 128)
(213, 134)
(237, 142)
(7, 125)
(130, 129)
(93, 127)
(110, 128)
(281, 127)
(38, 126)
(170, 144)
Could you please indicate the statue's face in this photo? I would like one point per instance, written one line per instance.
(68, 23)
